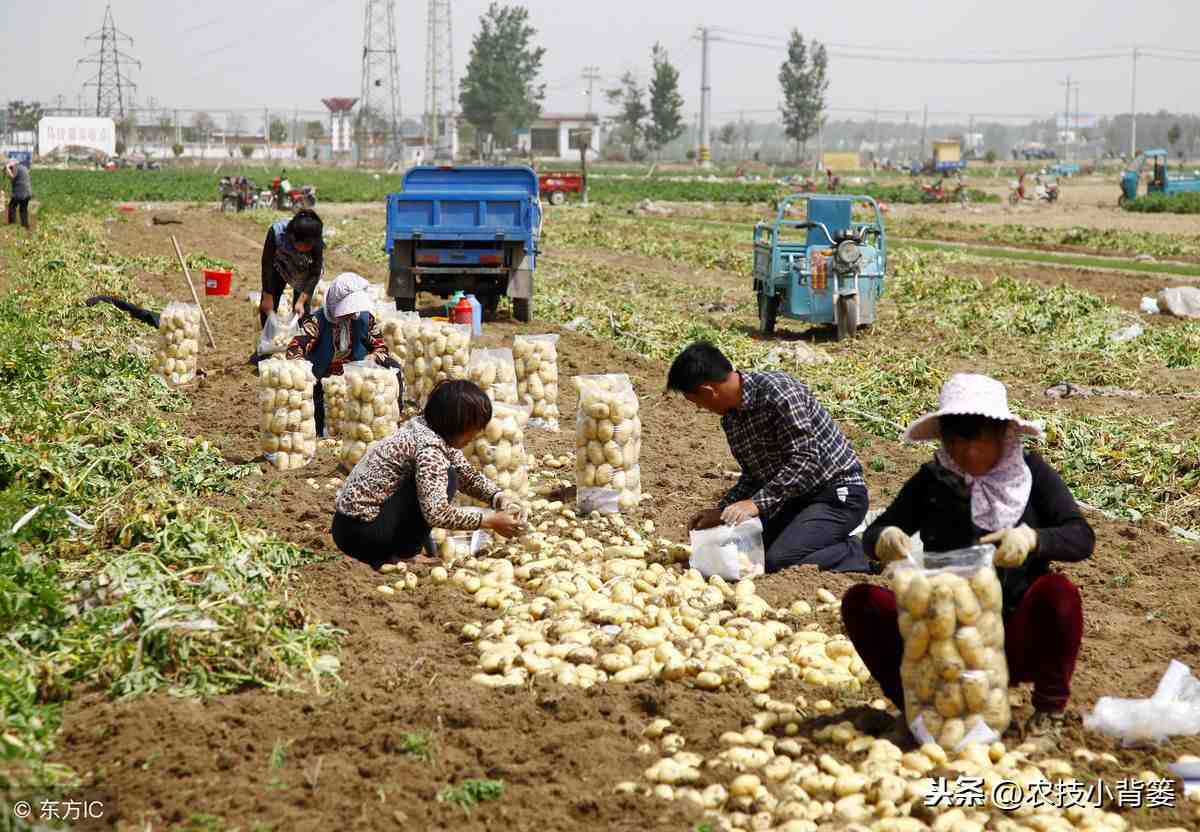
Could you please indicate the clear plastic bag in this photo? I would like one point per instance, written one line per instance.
(459, 545)
(255, 300)
(608, 443)
(288, 437)
(335, 392)
(499, 452)
(954, 668)
(318, 295)
(372, 410)
(277, 333)
(535, 358)
(178, 344)
(733, 552)
(494, 371)
(442, 351)
(1173, 710)
(397, 327)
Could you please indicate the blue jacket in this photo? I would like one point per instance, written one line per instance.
(360, 341)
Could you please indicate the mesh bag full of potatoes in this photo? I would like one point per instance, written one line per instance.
(499, 452)
(495, 373)
(535, 358)
(372, 409)
(178, 343)
(336, 391)
(954, 668)
(442, 350)
(398, 329)
(285, 399)
(608, 444)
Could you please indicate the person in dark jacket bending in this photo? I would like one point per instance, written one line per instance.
(982, 486)
(293, 255)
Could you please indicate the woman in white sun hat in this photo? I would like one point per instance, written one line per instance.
(342, 330)
(982, 486)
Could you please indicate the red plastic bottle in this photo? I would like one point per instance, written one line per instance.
(461, 313)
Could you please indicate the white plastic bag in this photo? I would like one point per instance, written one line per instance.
(1173, 710)
(495, 373)
(289, 434)
(608, 444)
(372, 409)
(277, 333)
(178, 343)
(456, 545)
(733, 552)
(954, 668)
(535, 358)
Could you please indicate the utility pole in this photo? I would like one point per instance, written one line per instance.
(380, 98)
(113, 88)
(178, 129)
(439, 81)
(924, 132)
(591, 74)
(1066, 122)
(1133, 110)
(267, 130)
(705, 101)
(875, 153)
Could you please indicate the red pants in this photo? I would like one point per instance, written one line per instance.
(1041, 638)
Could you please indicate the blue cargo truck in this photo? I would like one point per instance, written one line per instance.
(470, 229)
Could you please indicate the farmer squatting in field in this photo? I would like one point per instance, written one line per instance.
(401, 489)
(342, 330)
(799, 473)
(982, 486)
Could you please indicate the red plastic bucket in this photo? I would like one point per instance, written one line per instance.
(217, 281)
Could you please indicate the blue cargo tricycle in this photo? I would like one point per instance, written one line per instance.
(832, 274)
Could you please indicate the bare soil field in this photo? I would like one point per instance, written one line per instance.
(560, 751)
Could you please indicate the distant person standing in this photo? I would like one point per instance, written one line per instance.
(22, 191)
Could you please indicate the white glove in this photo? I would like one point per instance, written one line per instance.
(893, 544)
(1013, 546)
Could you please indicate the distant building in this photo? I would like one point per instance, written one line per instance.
(551, 136)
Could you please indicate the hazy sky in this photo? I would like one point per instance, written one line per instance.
(225, 53)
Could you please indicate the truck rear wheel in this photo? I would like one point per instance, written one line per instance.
(406, 304)
(768, 313)
(521, 310)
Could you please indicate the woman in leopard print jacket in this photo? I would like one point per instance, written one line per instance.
(403, 485)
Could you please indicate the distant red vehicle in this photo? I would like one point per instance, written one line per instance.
(556, 186)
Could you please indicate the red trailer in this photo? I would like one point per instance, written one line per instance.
(556, 186)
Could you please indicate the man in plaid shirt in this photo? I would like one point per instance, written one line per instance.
(799, 473)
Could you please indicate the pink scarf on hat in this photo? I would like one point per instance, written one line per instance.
(999, 497)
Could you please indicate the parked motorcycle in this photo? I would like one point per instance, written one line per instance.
(937, 191)
(237, 194)
(283, 197)
(1042, 191)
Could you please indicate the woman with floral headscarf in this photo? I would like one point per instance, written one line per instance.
(982, 486)
(342, 330)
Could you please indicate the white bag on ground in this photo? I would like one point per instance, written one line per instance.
(499, 452)
(335, 392)
(535, 358)
(285, 399)
(178, 343)
(608, 444)
(459, 545)
(1173, 710)
(1180, 301)
(495, 373)
(277, 333)
(954, 668)
(733, 552)
(396, 327)
(372, 409)
(442, 352)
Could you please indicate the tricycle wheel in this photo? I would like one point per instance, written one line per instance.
(1013, 198)
(557, 197)
(768, 313)
(520, 310)
(847, 323)
(1121, 200)
(228, 204)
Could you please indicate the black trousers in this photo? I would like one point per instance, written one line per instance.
(13, 205)
(274, 286)
(398, 533)
(815, 530)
